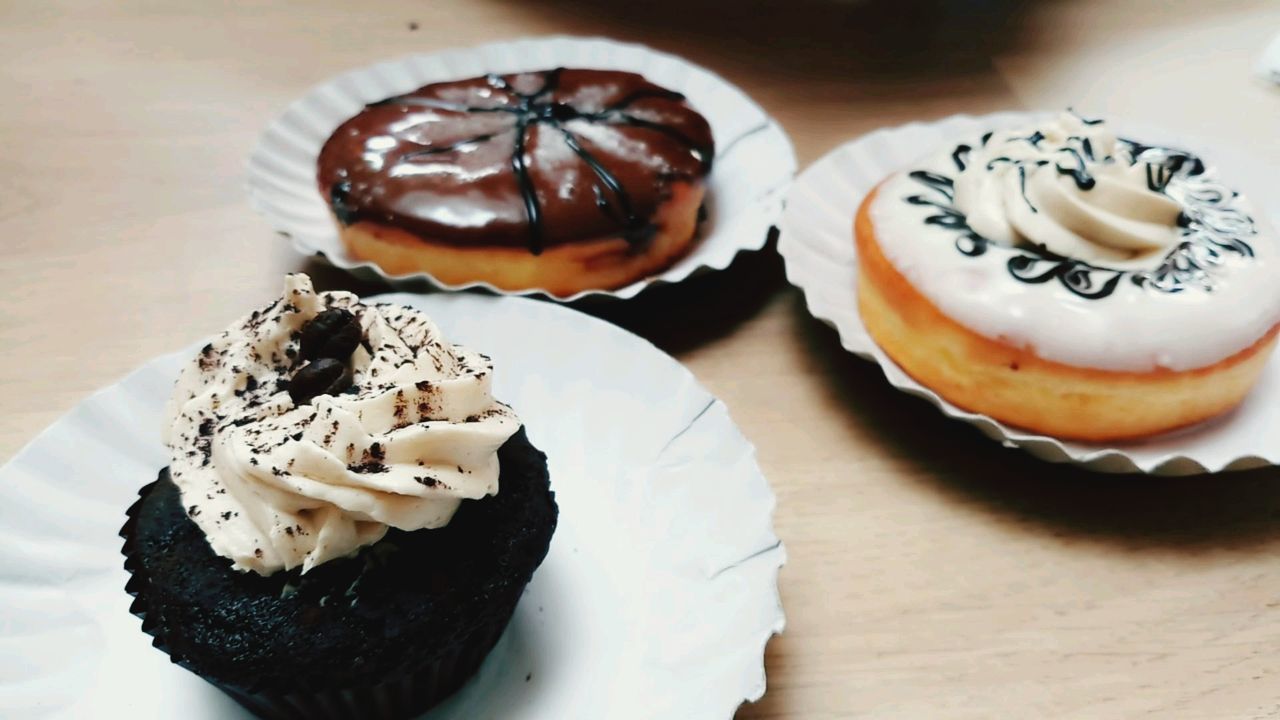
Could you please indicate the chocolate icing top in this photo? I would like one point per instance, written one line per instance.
(534, 159)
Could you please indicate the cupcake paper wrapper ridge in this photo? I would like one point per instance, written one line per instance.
(402, 696)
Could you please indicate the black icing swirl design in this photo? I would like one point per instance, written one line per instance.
(1211, 228)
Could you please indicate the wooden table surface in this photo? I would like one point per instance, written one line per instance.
(932, 573)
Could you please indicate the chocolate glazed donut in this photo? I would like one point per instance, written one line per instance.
(530, 161)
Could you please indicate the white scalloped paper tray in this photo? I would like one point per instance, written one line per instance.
(753, 167)
(816, 242)
(1269, 62)
(656, 600)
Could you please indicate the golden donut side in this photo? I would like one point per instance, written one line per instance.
(1018, 387)
(600, 263)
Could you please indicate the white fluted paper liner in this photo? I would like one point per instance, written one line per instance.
(816, 242)
(1269, 62)
(656, 599)
(753, 167)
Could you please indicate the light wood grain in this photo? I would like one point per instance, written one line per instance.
(933, 574)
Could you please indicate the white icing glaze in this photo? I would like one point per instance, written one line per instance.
(1216, 301)
(274, 485)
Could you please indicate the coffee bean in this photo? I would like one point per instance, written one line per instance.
(325, 376)
(334, 333)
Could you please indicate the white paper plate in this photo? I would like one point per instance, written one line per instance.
(656, 600)
(816, 241)
(1269, 64)
(753, 167)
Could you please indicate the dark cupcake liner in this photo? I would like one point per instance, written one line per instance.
(396, 699)
(405, 695)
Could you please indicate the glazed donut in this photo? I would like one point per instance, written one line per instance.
(1069, 282)
(563, 180)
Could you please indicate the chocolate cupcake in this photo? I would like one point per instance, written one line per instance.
(348, 518)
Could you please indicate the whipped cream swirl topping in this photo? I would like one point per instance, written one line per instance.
(409, 431)
(1071, 187)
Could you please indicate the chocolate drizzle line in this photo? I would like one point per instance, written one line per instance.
(1211, 228)
(534, 109)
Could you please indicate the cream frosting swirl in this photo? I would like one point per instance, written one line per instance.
(1059, 185)
(274, 485)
